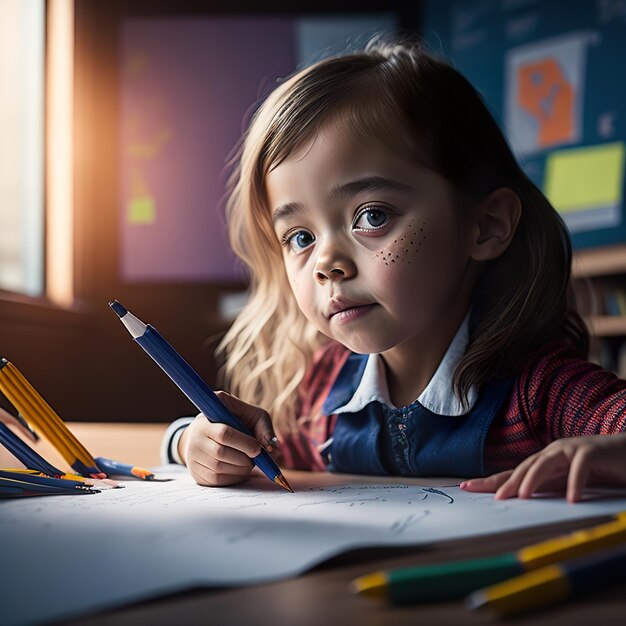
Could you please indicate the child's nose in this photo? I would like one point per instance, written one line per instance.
(333, 264)
(335, 273)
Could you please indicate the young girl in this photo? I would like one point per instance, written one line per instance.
(409, 305)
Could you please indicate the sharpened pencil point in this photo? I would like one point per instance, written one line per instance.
(280, 480)
(118, 308)
(476, 600)
(142, 473)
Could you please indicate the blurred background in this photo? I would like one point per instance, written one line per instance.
(118, 120)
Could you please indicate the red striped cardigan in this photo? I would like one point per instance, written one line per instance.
(557, 394)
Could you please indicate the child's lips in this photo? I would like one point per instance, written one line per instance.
(345, 310)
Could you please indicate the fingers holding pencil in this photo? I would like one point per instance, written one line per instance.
(203, 397)
(218, 455)
(215, 454)
(255, 418)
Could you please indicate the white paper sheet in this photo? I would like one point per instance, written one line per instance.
(78, 554)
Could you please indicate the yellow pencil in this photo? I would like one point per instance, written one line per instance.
(553, 583)
(55, 421)
(30, 403)
(446, 581)
(100, 483)
(27, 407)
(33, 472)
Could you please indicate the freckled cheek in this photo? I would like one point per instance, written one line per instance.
(403, 251)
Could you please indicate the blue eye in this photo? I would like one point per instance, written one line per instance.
(371, 218)
(298, 240)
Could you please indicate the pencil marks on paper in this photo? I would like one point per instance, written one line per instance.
(438, 492)
(404, 523)
(163, 537)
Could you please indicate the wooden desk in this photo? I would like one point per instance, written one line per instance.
(130, 443)
(320, 597)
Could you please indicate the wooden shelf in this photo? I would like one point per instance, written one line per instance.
(599, 261)
(606, 325)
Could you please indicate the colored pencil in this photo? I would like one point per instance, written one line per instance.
(74, 445)
(115, 468)
(447, 581)
(33, 472)
(47, 481)
(554, 583)
(18, 492)
(30, 404)
(24, 453)
(17, 484)
(21, 399)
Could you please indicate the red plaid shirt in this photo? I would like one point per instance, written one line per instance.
(556, 395)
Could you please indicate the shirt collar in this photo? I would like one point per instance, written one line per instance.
(438, 396)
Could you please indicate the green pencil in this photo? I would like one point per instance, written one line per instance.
(448, 581)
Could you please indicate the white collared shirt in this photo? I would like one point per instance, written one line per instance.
(438, 396)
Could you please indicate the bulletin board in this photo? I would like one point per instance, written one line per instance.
(553, 73)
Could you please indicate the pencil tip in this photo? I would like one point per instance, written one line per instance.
(118, 308)
(476, 600)
(280, 479)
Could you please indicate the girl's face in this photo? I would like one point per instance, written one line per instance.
(374, 247)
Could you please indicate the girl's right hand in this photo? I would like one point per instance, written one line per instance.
(218, 455)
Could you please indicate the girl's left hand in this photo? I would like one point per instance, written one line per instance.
(564, 465)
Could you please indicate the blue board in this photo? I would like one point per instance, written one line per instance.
(553, 73)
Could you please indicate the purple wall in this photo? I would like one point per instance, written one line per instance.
(186, 87)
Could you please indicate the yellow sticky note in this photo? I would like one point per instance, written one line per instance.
(586, 178)
(141, 210)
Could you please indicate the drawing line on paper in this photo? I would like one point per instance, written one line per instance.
(402, 524)
(438, 492)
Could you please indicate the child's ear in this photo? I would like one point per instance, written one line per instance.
(495, 219)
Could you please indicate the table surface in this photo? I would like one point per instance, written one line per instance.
(321, 596)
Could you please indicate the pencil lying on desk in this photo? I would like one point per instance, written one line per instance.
(35, 409)
(11, 489)
(34, 479)
(447, 581)
(115, 468)
(553, 583)
(34, 463)
(190, 383)
(24, 396)
(19, 483)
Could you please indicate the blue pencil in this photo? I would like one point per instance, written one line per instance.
(24, 453)
(16, 484)
(45, 481)
(10, 488)
(190, 383)
(116, 468)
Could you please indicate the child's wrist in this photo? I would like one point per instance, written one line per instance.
(179, 446)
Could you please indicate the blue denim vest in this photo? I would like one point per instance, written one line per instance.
(408, 441)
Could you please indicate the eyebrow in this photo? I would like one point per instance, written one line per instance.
(346, 190)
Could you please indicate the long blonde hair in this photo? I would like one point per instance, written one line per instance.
(430, 113)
